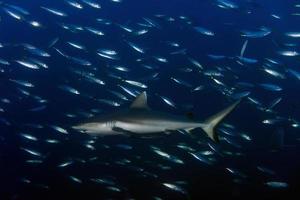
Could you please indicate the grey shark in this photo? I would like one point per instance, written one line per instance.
(139, 119)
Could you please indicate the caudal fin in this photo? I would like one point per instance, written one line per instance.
(213, 121)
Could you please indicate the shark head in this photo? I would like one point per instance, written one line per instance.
(107, 125)
(95, 128)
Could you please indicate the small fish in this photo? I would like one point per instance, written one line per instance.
(295, 73)
(13, 14)
(185, 147)
(109, 52)
(218, 81)
(243, 48)
(274, 103)
(236, 172)
(55, 11)
(166, 155)
(59, 129)
(19, 9)
(277, 184)
(109, 102)
(109, 56)
(121, 96)
(227, 4)
(32, 152)
(23, 83)
(128, 91)
(135, 47)
(293, 34)
(39, 63)
(80, 61)
(271, 121)
(256, 34)
(240, 95)
(247, 60)
(27, 64)
(29, 137)
(246, 137)
(113, 188)
(265, 170)
(60, 52)
(204, 31)
(37, 109)
(198, 88)
(122, 69)
(106, 181)
(151, 22)
(125, 28)
(94, 31)
(89, 146)
(196, 63)
(52, 141)
(276, 16)
(35, 24)
(76, 45)
(213, 73)
(141, 32)
(69, 89)
(65, 164)
(36, 51)
(168, 101)
(34, 161)
(92, 4)
(94, 80)
(75, 179)
(174, 187)
(181, 82)
(4, 62)
(274, 73)
(273, 61)
(216, 57)
(135, 83)
(271, 87)
(74, 4)
(161, 59)
(53, 42)
(124, 146)
(201, 158)
(288, 53)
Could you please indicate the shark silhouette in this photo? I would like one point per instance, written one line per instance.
(139, 119)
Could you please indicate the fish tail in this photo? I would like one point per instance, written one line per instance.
(210, 124)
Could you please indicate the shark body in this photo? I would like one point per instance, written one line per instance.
(139, 119)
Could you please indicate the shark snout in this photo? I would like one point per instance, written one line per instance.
(91, 128)
(76, 127)
(80, 128)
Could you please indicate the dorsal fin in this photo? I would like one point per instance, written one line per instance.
(140, 101)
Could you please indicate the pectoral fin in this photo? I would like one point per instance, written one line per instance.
(123, 131)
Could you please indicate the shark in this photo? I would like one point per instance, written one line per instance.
(139, 119)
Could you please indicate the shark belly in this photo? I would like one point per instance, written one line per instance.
(139, 127)
(144, 128)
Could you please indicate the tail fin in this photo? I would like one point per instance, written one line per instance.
(213, 121)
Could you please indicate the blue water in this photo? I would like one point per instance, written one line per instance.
(142, 177)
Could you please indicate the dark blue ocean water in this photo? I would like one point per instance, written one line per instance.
(137, 171)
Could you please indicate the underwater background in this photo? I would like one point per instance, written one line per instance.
(64, 61)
